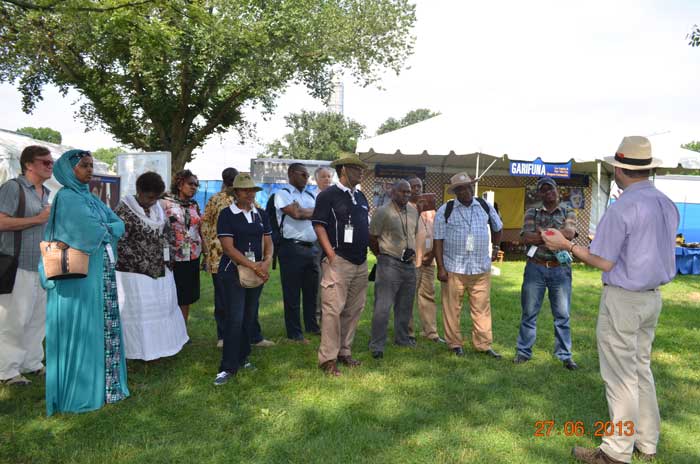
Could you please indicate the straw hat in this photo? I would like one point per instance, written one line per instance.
(634, 153)
(244, 181)
(349, 160)
(459, 179)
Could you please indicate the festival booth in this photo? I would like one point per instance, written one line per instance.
(508, 152)
(104, 183)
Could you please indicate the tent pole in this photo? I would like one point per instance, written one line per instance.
(598, 190)
(476, 186)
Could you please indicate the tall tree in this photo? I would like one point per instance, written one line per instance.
(694, 145)
(108, 155)
(412, 117)
(167, 74)
(42, 133)
(322, 136)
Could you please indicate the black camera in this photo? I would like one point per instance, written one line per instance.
(408, 255)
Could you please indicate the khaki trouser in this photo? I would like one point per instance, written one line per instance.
(425, 297)
(625, 332)
(479, 288)
(22, 326)
(343, 295)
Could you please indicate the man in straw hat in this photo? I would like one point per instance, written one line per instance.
(461, 243)
(634, 246)
(341, 224)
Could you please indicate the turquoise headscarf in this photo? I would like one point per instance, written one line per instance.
(78, 217)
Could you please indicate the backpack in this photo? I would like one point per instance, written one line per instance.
(449, 206)
(276, 227)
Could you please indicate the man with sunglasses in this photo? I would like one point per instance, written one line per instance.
(298, 253)
(24, 211)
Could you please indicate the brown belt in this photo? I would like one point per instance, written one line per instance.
(544, 263)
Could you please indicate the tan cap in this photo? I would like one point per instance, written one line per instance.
(244, 181)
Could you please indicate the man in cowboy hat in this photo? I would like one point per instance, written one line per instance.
(543, 271)
(341, 224)
(634, 246)
(461, 243)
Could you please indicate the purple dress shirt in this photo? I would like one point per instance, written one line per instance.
(638, 234)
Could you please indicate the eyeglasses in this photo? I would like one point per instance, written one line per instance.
(46, 163)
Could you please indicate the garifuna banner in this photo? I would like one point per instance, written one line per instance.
(538, 168)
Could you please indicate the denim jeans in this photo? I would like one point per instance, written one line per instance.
(557, 282)
(241, 308)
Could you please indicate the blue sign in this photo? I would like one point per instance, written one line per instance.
(538, 168)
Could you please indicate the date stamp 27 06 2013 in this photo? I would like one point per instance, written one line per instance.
(571, 428)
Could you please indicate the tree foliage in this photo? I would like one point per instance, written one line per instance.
(322, 136)
(694, 36)
(167, 74)
(42, 133)
(108, 155)
(412, 117)
(694, 145)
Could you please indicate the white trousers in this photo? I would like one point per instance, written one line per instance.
(22, 326)
(625, 332)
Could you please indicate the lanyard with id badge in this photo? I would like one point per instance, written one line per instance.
(470, 236)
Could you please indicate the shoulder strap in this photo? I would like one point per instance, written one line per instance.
(487, 209)
(448, 209)
(19, 214)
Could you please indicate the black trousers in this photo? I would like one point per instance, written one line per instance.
(299, 272)
(240, 308)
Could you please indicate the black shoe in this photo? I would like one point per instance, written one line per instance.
(377, 354)
(459, 351)
(492, 353)
(520, 359)
(570, 364)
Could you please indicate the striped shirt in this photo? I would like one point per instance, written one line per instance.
(29, 254)
(465, 222)
(536, 219)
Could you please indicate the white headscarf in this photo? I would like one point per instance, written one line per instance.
(157, 219)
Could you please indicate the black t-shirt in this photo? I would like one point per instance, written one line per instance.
(246, 235)
(334, 210)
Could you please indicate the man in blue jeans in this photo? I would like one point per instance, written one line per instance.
(543, 271)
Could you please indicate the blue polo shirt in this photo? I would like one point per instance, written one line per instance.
(247, 229)
(335, 208)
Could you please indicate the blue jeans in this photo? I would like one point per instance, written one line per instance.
(537, 279)
(240, 309)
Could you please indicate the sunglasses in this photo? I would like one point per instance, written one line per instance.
(46, 163)
(80, 155)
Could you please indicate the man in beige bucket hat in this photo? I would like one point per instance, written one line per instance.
(634, 246)
(461, 242)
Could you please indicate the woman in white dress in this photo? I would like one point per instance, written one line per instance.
(152, 322)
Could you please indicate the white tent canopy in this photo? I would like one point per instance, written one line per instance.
(554, 137)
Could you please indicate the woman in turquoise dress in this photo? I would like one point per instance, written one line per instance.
(85, 363)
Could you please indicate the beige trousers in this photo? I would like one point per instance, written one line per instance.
(478, 286)
(625, 332)
(425, 298)
(343, 295)
(22, 326)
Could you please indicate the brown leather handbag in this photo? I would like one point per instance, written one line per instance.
(61, 261)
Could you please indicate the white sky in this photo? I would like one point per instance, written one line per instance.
(623, 55)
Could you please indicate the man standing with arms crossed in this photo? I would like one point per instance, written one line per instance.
(298, 253)
(24, 210)
(341, 223)
(634, 246)
(544, 272)
(463, 257)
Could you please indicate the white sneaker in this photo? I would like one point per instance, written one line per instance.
(222, 377)
(264, 343)
(220, 344)
(18, 380)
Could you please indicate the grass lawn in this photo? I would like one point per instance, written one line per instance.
(415, 405)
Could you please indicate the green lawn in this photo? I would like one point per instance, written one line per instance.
(415, 405)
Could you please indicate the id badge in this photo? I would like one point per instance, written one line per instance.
(186, 251)
(166, 254)
(531, 251)
(428, 244)
(250, 255)
(110, 253)
(348, 234)
(470, 242)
